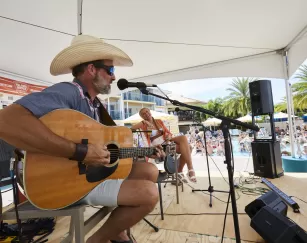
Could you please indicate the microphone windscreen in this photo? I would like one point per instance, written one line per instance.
(177, 109)
(122, 84)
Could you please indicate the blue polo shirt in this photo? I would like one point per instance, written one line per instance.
(64, 95)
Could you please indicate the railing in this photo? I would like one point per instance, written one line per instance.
(115, 115)
(142, 97)
(128, 114)
(184, 115)
(159, 102)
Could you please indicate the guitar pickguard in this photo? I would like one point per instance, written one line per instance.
(98, 173)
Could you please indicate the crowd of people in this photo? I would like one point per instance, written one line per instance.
(214, 141)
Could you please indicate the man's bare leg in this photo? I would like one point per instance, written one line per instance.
(133, 208)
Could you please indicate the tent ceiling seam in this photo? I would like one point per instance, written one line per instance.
(79, 17)
(37, 26)
(296, 38)
(189, 44)
(229, 61)
(25, 77)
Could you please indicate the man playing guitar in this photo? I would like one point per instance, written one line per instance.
(91, 61)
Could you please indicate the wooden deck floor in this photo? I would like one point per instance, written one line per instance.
(180, 227)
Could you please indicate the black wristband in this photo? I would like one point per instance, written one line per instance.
(80, 153)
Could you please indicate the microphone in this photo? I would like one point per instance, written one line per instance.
(124, 84)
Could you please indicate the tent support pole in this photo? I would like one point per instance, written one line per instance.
(289, 102)
(79, 16)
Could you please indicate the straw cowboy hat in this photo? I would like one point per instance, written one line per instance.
(85, 48)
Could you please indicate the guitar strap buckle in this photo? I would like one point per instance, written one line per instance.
(81, 165)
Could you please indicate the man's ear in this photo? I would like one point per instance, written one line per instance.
(91, 70)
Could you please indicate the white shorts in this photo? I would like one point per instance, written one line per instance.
(104, 194)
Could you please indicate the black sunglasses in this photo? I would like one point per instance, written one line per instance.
(109, 69)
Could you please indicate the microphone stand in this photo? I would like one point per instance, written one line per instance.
(225, 129)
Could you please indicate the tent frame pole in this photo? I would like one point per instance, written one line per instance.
(289, 102)
(79, 16)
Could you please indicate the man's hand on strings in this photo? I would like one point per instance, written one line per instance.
(97, 155)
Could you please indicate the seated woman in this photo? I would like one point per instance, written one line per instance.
(161, 134)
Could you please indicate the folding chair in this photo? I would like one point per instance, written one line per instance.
(78, 226)
(170, 173)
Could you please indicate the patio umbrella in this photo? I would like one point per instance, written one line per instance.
(247, 118)
(212, 122)
(157, 115)
(280, 115)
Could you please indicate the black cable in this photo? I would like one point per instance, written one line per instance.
(224, 224)
(232, 158)
(248, 161)
(299, 199)
(192, 214)
(179, 214)
(16, 206)
(219, 170)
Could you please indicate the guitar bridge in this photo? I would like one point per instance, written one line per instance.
(81, 165)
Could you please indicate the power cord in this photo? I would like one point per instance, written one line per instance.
(15, 195)
(233, 168)
(298, 199)
(232, 158)
(225, 217)
(192, 214)
(252, 180)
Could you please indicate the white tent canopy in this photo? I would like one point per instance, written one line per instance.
(179, 41)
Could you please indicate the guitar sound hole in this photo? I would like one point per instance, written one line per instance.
(114, 152)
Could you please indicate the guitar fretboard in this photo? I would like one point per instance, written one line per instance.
(135, 152)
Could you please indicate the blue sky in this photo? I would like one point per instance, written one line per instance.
(200, 90)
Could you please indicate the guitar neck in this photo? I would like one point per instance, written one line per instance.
(135, 152)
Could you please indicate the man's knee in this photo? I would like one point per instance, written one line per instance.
(138, 193)
(150, 194)
(151, 171)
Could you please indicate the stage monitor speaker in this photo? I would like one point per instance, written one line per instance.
(271, 199)
(274, 227)
(261, 97)
(267, 159)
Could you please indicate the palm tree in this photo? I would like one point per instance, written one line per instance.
(282, 106)
(238, 102)
(215, 105)
(300, 89)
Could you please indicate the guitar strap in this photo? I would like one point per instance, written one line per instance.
(104, 116)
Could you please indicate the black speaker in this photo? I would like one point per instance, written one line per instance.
(270, 199)
(274, 227)
(267, 159)
(261, 97)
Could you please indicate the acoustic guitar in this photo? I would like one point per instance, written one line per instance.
(51, 182)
